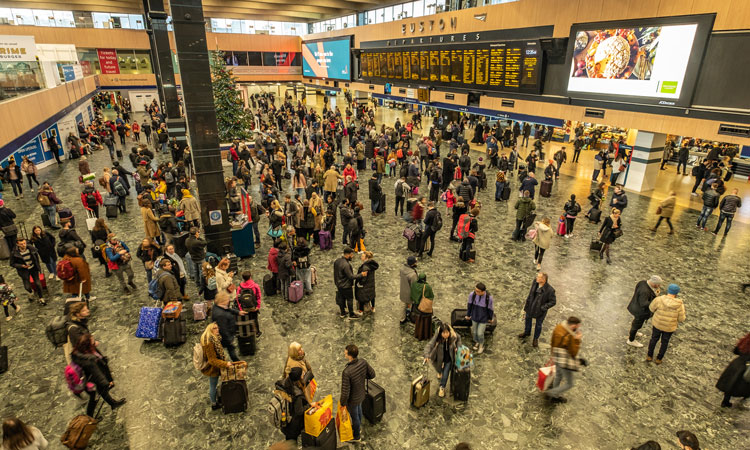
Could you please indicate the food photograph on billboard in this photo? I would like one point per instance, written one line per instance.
(327, 59)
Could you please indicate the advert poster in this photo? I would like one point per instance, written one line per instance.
(108, 61)
(33, 149)
(17, 48)
(53, 132)
(68, 72)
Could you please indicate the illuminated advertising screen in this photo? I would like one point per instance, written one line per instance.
(327, 59)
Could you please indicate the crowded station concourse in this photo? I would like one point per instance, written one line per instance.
(401, 274)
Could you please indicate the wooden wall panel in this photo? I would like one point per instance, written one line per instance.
(82, 37)
(638, 9)
(674, 8)
(738, 16)
(720, 7)
(588, 11)
(253, 42)
(146, 79)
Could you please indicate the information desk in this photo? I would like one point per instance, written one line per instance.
(242, 241)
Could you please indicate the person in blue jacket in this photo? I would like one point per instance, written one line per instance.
(118, 261)
(480, 310)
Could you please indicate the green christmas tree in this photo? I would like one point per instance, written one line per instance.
(232, 119)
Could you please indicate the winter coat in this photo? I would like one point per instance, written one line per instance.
(214, 353)
(667, 206)
(642, 298)
(543, 235)
(272, 261)
(730, 204)
(417, 291)
(364, 289)
(226, 318)
(343, 277)
(223, 281)
(481, 309)
(95, 368)
(353, 381)
(291, 363)
(330, 180)
(150, 222)
(537, 304)
(524, 207)
(17, 261)
(45, 245)
(191, 207)
(82, 274)
(731, 381)
(622, 201)
(169, 286)
(434, 350)
(607, 230)
(407, 276)
(565, 347)
(668, 312)
(284, 260)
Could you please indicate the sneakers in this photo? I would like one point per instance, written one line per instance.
(634, 343)
(9, 318)
(475, 346)
(353, 317)
(694, 194)
(639, 334)
(342, 316)
(657, 361)
(51, 277)
(649, 359)
(480, 350)
(441, 392)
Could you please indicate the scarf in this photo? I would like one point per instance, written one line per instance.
(218, 348)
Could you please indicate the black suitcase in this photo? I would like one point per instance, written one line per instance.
(326, 440)
(410, 202)
(546, 189)
(596, 245)
(45, 221)
(4, 357)
(595, 215)
(269, 287)
(233, 395)
(416, 242)
(111, 211)
(233, 259)
(381, 204)
(460, 384)
(119, 153)
(467, 255)
(458, 321)
(247, 345)
(373, 407)
(174, 331)
(245, 326)
(506, 193)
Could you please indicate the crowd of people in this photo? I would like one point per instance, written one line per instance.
(324, 156)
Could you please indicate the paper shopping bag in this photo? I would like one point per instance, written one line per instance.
(344, 424)
(317, 419)
(545, 377)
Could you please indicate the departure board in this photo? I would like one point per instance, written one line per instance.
(494, 66)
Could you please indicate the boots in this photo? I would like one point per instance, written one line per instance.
(535, 343)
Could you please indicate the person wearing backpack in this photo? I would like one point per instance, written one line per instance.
(401, 189)
(525, 206)
(440, 351)
(249, 297)
(91, 198)
(96, 369)
(298, 403)
(118, 186)
(467, 229)
(433, 222)
(480, 310)
(79, 271)
(117, 255)
(302, 265)
(49, 201)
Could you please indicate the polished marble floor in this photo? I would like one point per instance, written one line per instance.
(618, 402)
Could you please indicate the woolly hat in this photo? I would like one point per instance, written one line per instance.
(673, 289)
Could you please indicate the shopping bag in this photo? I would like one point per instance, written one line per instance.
(344, 424)
(561, 231)
(316, 420)
(311, 386)
(545, 376)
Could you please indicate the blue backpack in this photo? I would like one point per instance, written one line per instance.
(154, 290)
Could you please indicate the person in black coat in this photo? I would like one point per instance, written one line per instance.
(610, 230)
(376, 192)
(645, 292)
(344, 278)
(364, 288)
(25, 259)
(540, 299)
(96, 369)
(45, 245)
(226, 318)
(298, 404)
(7, 225)
(731, 381)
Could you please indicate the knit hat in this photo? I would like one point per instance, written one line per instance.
(656, 280)
(411, 261)
(673, 289)
(295, 374)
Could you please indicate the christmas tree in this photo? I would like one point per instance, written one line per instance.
(232, 119)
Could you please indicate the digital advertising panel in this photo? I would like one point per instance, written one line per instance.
(327, 59)
(641, 61)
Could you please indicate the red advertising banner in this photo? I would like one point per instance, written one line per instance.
(108, 60)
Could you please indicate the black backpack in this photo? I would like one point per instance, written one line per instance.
(90, 200)
(437, 224)
(247, 300)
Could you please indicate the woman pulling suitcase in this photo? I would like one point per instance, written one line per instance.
(441, 352)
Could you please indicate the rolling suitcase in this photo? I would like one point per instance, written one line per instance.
(111, 211)
(506, 193)
(458, 319)
(175, 330)
(416, 242)
(381, 204)
(546, 189)
(324, 237)
(423, 326)
(148, 323)
(373, 407)
(269, 286)
(4, 249)
(200, 311)
(296, 291)
(233, 395)
(460, 384)
(247, 344)
(596, 245)
(420, 391)
(326, 440)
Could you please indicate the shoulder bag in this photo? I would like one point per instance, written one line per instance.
(425, 304)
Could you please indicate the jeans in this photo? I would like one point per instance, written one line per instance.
(234, 166)
(569, 223)
(213, 382)
(163, 146)
(285, 287)
(466, 245)
(558, 387)
(477, 332)
(669, 222)
(51, 264)
(356, 414)
(722, 216)
(655, 336)
(595, 177)
(256, 231)
(447, 366)
(17, 186)
(684, 166)
(636, 325)
(537, 328)
(52, 214)
(190, 267)
(399, 201)
(705, 214)
(149, 273)
(306, 276)
(374, 205)
(229, 345)
(120, 274)
(499, 190)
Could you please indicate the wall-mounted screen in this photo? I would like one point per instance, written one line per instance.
(643, 61)
(327, 59)
(491, 66)
(281, 59)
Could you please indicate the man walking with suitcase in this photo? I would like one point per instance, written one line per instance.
(353, 379)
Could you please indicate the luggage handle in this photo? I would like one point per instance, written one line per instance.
(90, 214)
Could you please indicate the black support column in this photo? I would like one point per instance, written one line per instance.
(200, 114)
(156, 21)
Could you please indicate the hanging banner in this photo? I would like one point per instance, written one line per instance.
(108, 60)
(17, 48)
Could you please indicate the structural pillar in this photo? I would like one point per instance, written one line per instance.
(156, 21)
(200, 114)
(645, 161)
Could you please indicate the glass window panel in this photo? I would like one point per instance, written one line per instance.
(254, 59)
(120, 21)
(43, 18)
(143, 61)
(276, 27)
(408, 10)
(247, 26)
(6, 16)
(64, 19)
(418, 8)
(101, 20)
(20, 78)
(370, 17)
(388, 14)
(137, 22)
(397, 11)
(89, 60)
(23, 16)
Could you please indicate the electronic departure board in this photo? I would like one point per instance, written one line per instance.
(494, 66)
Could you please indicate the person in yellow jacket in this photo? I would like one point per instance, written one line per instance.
(668, 312)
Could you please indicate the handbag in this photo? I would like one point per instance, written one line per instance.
(658, 210)
(425, 304)
(617, 232)
(235, 371)
(11, 229)
(274, 233)
(531, 234)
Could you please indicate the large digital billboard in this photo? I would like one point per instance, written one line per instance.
(640, 61)
(327, 59)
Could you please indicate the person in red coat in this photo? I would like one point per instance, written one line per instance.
(91, 198)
